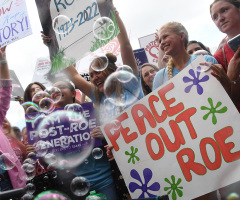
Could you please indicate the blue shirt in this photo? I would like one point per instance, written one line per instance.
(162, 76)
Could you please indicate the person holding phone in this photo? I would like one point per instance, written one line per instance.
(226, 16)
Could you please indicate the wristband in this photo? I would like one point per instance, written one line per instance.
(3, 62)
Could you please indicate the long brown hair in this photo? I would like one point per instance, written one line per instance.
(27, 93)
(146, 89)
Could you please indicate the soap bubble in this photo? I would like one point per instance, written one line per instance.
(80, 186)
(27, 167)
(55, 93)
(103, 28)
(204, 68)
(61, 24)
(31, 155)
(31, 110)
(29, 161)
(97, 153)
(201, 52)
(27, 197)
(42, 147)
(124, 76)
(51, 195)
(78, 148)
(125, 68)
(99, 63)
(40, 95)
(51, 159)
(29, 176)
(75, 107)
(121, 93)
(7, 161)
(30, 188)
(46, 105)
(233, 196)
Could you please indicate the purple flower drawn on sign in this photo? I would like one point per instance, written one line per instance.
(195, 81)
(147, 174)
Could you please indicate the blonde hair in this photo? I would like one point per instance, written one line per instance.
(177, 28)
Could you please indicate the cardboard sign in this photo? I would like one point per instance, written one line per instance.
(17, 89)
(151, 47)
(70, 25)
(181, 140)
(59, 124)
(14, 21)
(140, 56)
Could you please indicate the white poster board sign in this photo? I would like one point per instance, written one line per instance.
(14, 21)
(42, 68)
(151, 48)
(181, 140)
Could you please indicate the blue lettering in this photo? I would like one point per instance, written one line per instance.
(59, 3)
(69, 3)
(9, 31)
(13, 28)
(21, 23)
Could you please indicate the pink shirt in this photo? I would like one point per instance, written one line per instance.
(17, 173)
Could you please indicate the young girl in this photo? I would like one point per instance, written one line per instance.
(226, 16)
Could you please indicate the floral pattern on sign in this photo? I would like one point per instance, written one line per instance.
(132, 155)
(147, 174)
(174, 188)
(195, 81)
(213, 110)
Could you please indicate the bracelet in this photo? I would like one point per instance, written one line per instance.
(3, 62)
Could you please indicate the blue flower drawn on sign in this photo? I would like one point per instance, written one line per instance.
(195, 81)
(147, 174)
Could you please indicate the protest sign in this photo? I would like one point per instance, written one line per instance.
(17, 89)
(181, 140)
(74, 29)
(140, 56)
(61, 123)
(42, 73)
(14, 21)
(151, 47)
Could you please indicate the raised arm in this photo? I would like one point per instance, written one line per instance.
(125, 47)
(4, 71)
(78, 80)
(233, 74)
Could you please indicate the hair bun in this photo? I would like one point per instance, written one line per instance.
(111, 57)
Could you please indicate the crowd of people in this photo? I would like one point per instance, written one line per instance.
(175, 53)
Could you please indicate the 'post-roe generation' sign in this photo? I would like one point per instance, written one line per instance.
(14, 21)
(181, 140)
(64, 131)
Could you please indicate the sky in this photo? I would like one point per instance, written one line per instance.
(140, 17)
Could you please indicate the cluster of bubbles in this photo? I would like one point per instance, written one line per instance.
(43, 102)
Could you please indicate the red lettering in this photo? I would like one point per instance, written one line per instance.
(225, 148)
(218, 160)
(190, 164)
(185, 116)
(170, 110)
(112, 137)
(159, 119)
(124, 131)
(7, 9)
(179, 139)
(149, 138)
(139, 120)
